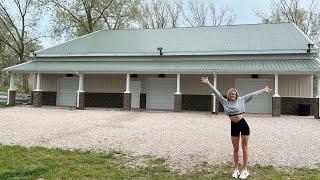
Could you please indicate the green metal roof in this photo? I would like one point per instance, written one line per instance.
(236, 39)
(150, 67)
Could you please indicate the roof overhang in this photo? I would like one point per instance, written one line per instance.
(311, 66)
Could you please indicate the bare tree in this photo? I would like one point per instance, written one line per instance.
(77, 17)
(226, 16)
(121, 14)
(160, 14)
(203, 13)
(307, 19)
(18, 19)
(196, 14)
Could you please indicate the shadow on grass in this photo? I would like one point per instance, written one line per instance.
(24, 173)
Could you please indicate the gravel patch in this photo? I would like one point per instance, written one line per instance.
(184, 139)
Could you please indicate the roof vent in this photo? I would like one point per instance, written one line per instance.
(160, 50)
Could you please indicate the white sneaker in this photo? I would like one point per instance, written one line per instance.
(244, 174)
(236, 173)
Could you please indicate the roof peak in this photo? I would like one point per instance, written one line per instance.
(186, 27)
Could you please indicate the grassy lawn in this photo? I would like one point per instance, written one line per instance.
(4, 89)
(32, 163)
(3, 104)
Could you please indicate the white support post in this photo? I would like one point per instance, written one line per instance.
(12, 79)
(276, 83)
(80, 89)
(312, 94)
(11, 88)
(38, 86)
(178, 84)
(34, 81)
(318, 94)
(214, 96)
(128, 84)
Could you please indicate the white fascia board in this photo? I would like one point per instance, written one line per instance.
(313, 71)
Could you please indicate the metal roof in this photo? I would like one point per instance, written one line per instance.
(183, 67)
(222, 40)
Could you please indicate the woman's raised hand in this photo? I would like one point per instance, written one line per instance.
(205, 80)
(267, 89)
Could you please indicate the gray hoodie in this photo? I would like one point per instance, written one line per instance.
(237, 106)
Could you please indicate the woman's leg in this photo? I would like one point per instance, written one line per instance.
(235, 144)
(245, 150)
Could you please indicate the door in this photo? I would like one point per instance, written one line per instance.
(160, 93)
(135, 88)
(67, 91)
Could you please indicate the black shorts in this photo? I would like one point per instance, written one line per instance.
(240, 126)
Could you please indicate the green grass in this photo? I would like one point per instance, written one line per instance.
(4, 89)
(33, 163)
(3, 104)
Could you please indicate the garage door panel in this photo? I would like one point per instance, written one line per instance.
(260, 104)
(160, 94)
(67, 91)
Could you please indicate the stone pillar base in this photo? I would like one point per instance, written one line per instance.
(316, 109)
(177, 102)
(127, 101)
(11, 98)
(276, 106)
(217, 105)
(31, 97)
(81, 100)
(37, 98)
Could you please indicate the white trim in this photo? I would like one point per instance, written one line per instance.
(306, 72)
(180, 53)
(6, 69)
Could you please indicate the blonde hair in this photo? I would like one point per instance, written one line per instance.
(231, 90)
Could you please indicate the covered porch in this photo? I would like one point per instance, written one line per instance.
(170, 85)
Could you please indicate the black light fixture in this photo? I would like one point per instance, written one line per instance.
(133, 76)
(161, 75)
(160, 49)
(309, 47)
(254, 76)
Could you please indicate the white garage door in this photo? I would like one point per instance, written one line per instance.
(260, 104)
(67, 91)
(160, 93)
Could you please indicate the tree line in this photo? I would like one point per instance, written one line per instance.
(23, 23)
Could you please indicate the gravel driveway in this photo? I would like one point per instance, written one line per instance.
(183, 138)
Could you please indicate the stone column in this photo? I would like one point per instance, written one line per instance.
(11, 99)
(276, 99)
(178, 96)
(127, 95)
(215, 104)
(80, 93)
(37, 94)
